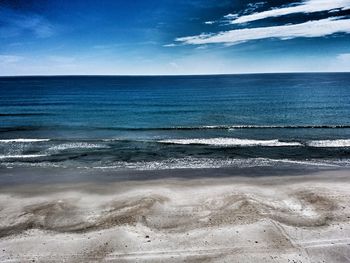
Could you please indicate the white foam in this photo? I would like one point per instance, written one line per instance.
(310, 162)
(186, 163)
(232, 142)
(24, 140)
(202, 163)
(329, 143)
(111, 140)
(76, 145)
(197, 163)
(21, 156)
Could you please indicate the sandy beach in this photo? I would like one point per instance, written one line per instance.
(175, 131)
(304, 218)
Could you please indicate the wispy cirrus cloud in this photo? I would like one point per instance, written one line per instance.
(313, 28)
(253, 6)
(317, 28)
(13, 23)
(308, 6)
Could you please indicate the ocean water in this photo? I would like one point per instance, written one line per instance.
(175, 122)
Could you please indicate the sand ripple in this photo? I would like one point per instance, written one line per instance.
(178, 221)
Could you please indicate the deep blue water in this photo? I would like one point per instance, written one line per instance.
(169, 122)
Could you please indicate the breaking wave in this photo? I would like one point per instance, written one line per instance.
(226, 127)
(232, 142)
(24, 140)
(21, 156)
(76, 145)
(329, 143)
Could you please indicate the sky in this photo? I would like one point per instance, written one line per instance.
(173, 37)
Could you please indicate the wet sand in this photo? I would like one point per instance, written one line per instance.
(304, 218)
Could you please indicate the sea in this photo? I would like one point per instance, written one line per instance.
(175, 122)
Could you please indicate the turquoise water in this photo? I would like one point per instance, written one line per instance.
(175, 122)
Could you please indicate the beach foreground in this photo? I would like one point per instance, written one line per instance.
(238, 219)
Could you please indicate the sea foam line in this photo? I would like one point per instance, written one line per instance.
(195, 163)
(226, 142)
(23, 140)
(21, 156)
(77, 145)
(329, 143)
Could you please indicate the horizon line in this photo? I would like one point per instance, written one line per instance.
(174, 75)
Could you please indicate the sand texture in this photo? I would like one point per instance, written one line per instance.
(271, 219)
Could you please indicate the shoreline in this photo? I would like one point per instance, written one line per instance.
(70, 178)
(22, 176)
(227, 219)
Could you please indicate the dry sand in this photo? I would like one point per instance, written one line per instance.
(270, 219)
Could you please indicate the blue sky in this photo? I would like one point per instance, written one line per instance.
(173, 36)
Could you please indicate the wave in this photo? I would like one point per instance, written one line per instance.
(289, 127)
(177, 163)
(231, 142)
(76, 145)
(20, 156)
(225, 127)
(330, 143)
(209, 163)
(310, 162)
(224, 142)
(23, 140)
(23, 114)
(175, 128)
(234, 142)
(19, 128)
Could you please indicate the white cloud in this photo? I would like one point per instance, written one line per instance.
(253, 6)
(170, 45)
(231, 16)
(308, 6)
(317, 28)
